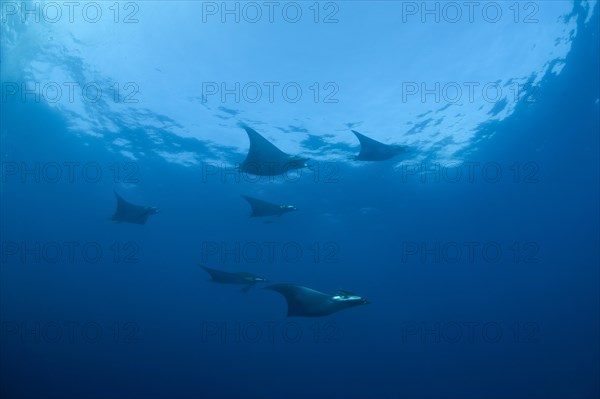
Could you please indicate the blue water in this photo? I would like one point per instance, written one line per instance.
(144, 321)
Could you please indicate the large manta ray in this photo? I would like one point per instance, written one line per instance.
(264, 208)
(131, 213)
(373, 150)
(304, 301)
(264, 159)
(247, 279)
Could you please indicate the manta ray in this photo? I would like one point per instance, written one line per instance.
(307, 302)
(373, 150)
(264, 159)
(247, 279)
(264, 208)
(131, 213)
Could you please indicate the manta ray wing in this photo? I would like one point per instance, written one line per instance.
(223, 277)
(128, 212)
(220, 276)
(262, 150)
(373, 150)
(262, 208)
(264, 158)
(304, 301)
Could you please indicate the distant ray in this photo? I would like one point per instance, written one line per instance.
(264, 159)
(244, 278)
(373, 150)
(131, 213)
(264, 208)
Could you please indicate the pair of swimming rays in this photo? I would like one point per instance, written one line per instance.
(127, 212)
(265, 159)
(301, 301)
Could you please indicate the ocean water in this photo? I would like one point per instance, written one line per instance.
(477, 249)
